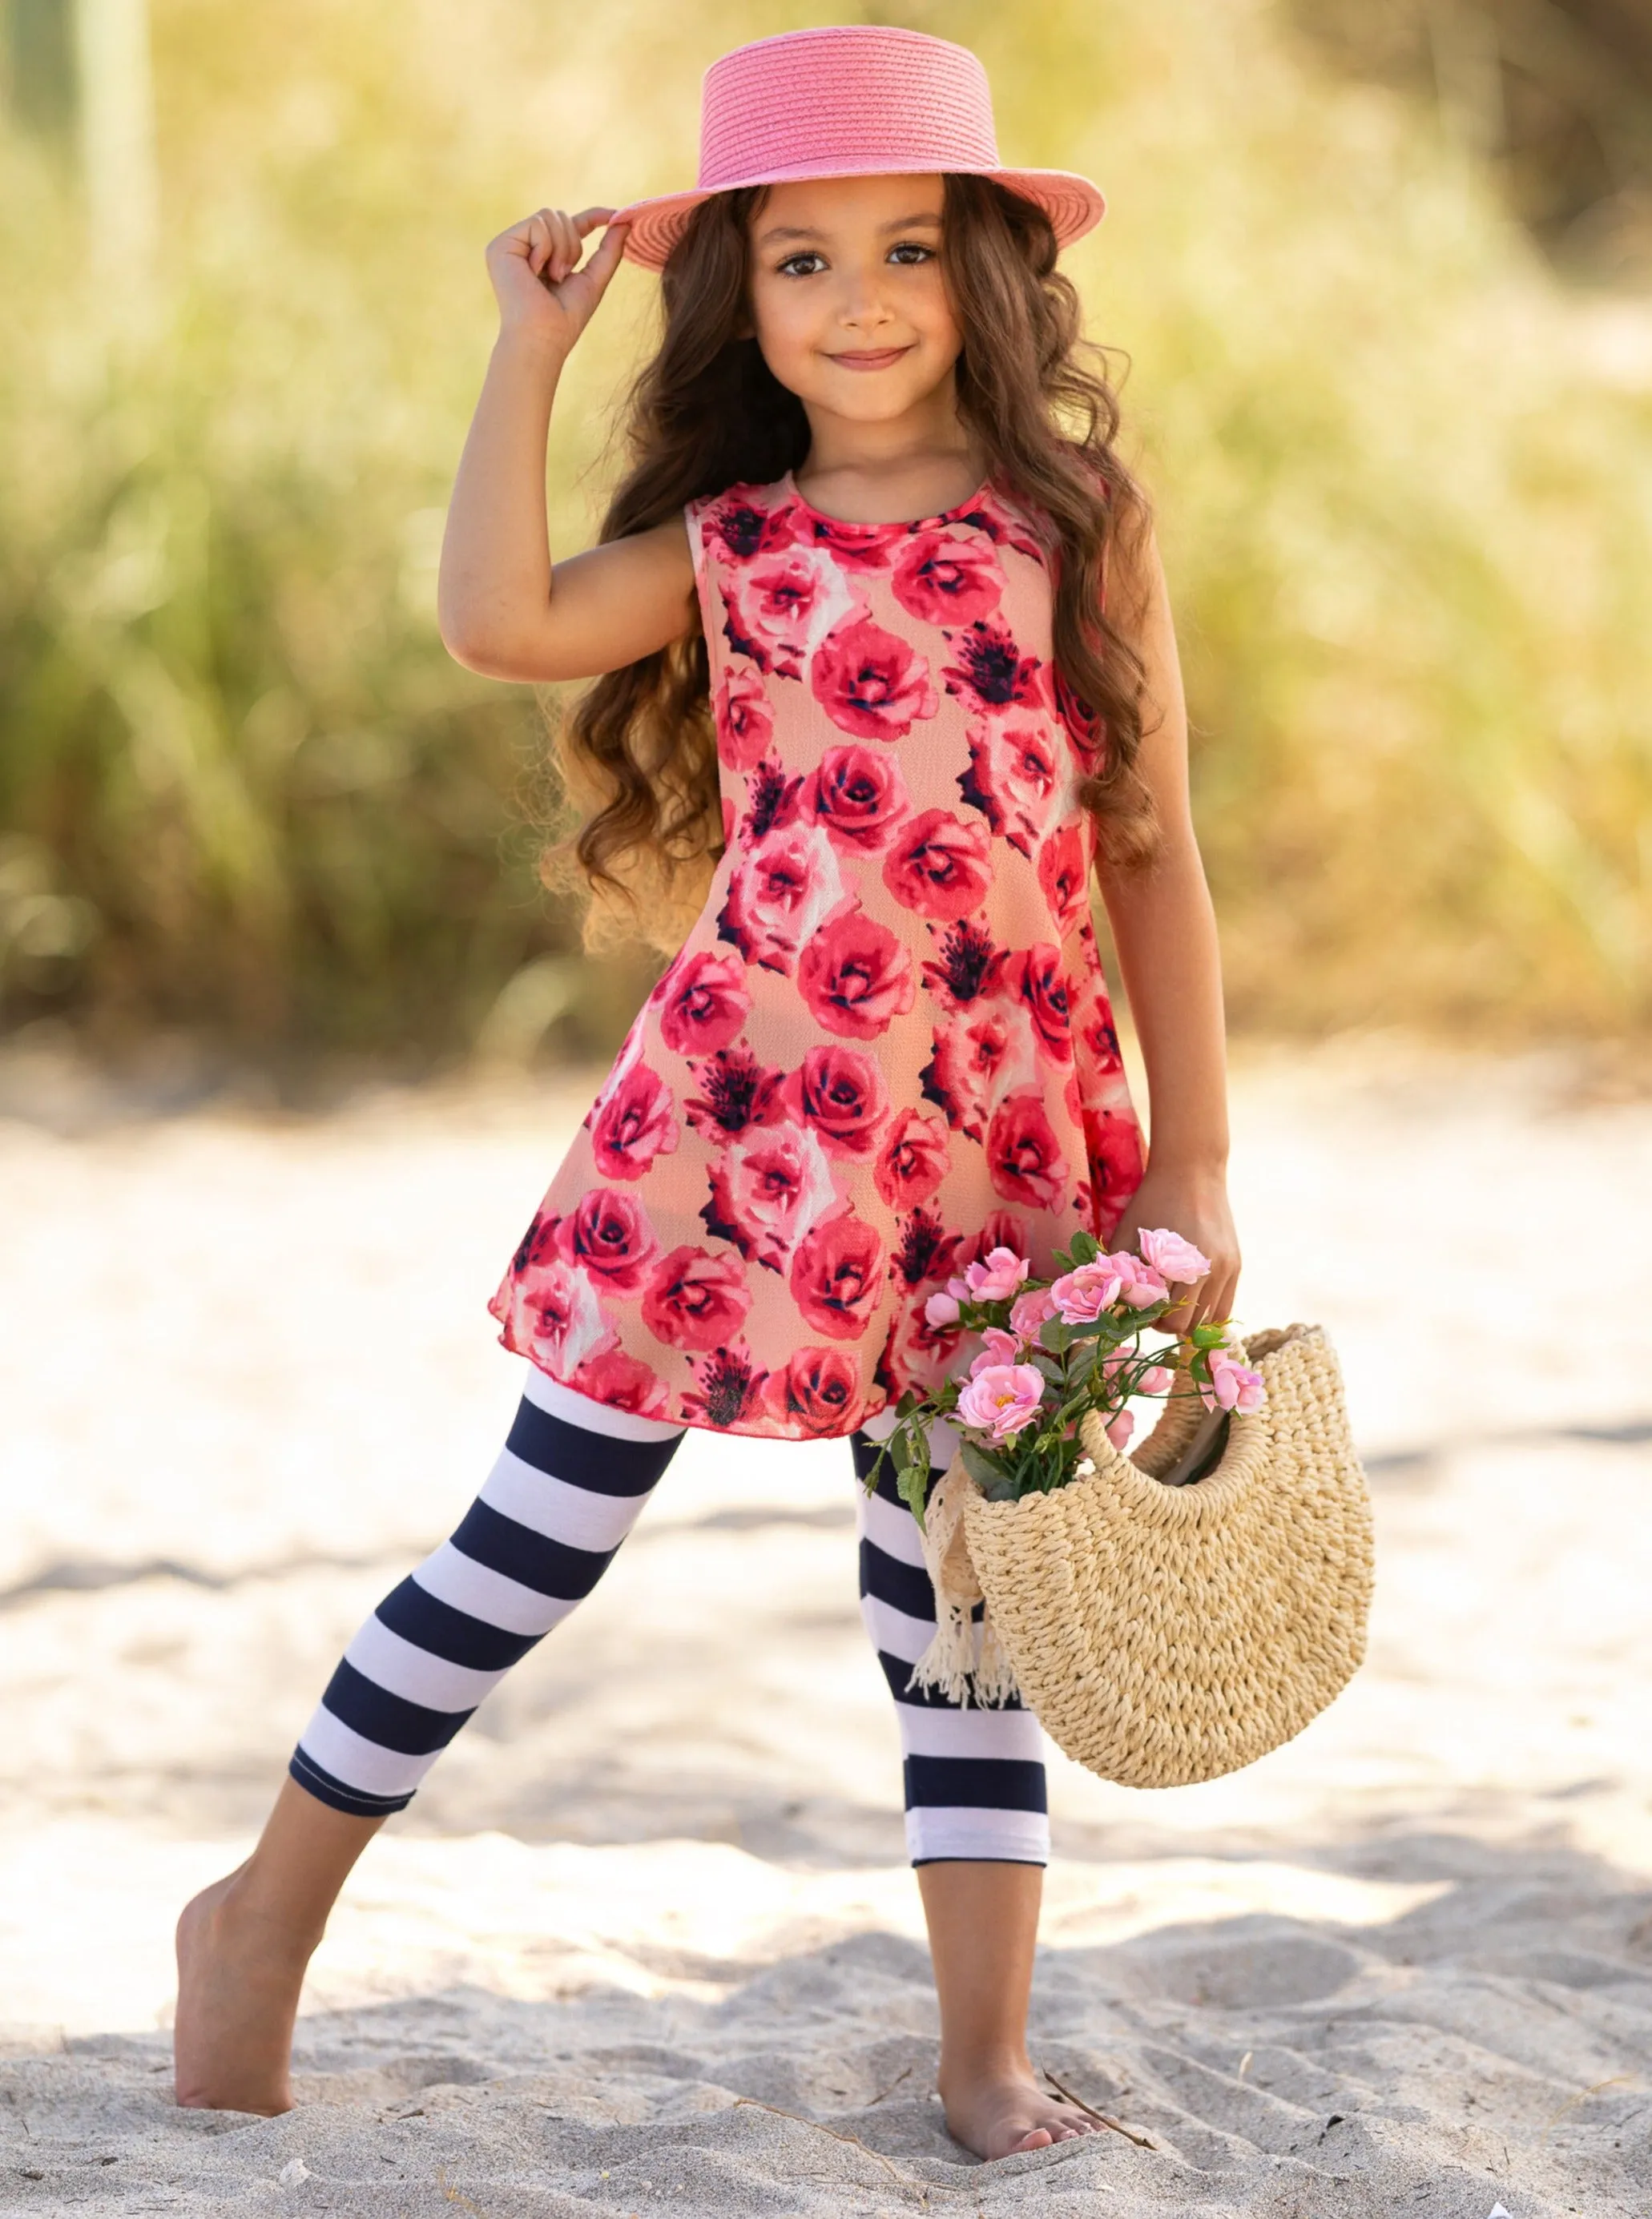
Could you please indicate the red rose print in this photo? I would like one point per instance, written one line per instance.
(970, 968)
(730, 1390)
(939, 865)
(780, 605)
(1038, 977)
(945, 581)
(840, 1094)
(696, 1300)
(1011, 779)
(1117, 1164)
(837, 1272)
(858, 796)
(1098, 1040)
(767, 1188)
(1000, 1231)
(856, 546)
(634, 1125)
(916, 1354)
(551, 1315)
(744, 722)
(915, 1159)
(991, 671)
(855, 975)
(702, 1002)
(819, 1392)
(737, 1093)
(979, 1059)
(739, 529)
(1083, 727)
(624, 1383)
(610, 1237)
(780, 895)
(871, 683)
(1024, 1159)
(924, 1250)
(1064, 875)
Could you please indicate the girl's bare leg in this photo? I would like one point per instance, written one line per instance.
(243, 1945)
(982, 1920)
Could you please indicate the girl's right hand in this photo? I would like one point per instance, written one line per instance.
(539, 287)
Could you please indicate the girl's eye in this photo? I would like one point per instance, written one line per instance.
(911, 252)
(789, 267)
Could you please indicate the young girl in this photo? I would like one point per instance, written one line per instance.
(883, 664)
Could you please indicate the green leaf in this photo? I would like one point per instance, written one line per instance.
(983, 1469)
(913, 1488)
(1085, 1248)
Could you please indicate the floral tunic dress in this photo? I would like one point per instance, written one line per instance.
(885, 1046)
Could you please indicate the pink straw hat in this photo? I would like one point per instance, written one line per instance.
(851, 100)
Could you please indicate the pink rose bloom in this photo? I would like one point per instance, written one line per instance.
(780, 895)
(1001, 1347)
(837, 1275)
(1001, 1400)
(702, 1002)
(769, 1187)
(1158, 1380)
(1064, 875)
(1140, 1284)
(996, 1278)
(1234, 1386)
(869, 682)
(744, 722)
(634, 1125)
(854, 974)
(942, 581)
(1024, 1158)
(783, 605)
(1031, 1311)
(1080, 1296)
(942, 1309)
(1014, 779)
(1119, 1430)
(696, 1300)
(915, 1157)
(859, 796)
(939, 867)
(1173, 1257)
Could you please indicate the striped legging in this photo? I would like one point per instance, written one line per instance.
(566, 1489)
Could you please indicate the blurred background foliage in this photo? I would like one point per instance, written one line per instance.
(1384, 279)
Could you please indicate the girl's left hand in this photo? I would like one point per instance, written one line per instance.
(1193, 1204)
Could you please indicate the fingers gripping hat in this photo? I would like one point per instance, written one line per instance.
(852, 101)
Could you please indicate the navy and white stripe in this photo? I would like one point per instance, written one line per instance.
(556, 1508)
(566, 1489)
(974, 1778)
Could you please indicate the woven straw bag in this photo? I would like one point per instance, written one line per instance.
(1169, 1634)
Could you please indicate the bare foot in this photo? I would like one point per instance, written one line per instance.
(1007, 2113)
(238, 1976)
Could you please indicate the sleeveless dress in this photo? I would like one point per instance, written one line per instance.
(885, 1046)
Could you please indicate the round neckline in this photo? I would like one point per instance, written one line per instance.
(893, 523)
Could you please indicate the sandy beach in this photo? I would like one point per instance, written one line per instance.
(646, 1943)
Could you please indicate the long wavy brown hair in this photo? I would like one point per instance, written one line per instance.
(637, 752)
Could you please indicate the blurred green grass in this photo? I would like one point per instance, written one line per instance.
(1404, 483)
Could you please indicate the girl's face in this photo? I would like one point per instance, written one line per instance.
(846, 297)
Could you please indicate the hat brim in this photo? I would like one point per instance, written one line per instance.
(1073, 205)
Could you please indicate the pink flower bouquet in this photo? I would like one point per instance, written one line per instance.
(1040, 1353)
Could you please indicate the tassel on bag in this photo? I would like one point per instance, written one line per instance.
(1167, 1634)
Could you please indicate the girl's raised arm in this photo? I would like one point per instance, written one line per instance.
(505, 609)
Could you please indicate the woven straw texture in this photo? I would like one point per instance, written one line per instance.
(1165, 1635)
